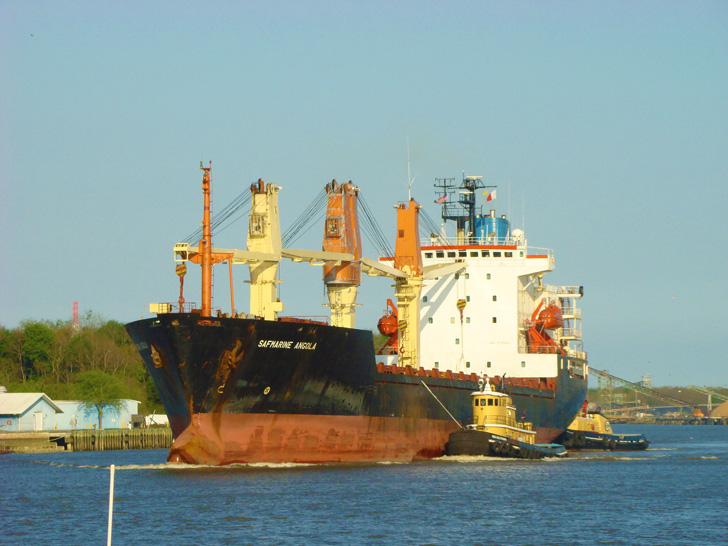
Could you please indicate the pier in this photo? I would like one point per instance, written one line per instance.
(691, 421)
(86, 440)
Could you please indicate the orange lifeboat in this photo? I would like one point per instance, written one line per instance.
(387, 325)
(548, 318)
(551, 317)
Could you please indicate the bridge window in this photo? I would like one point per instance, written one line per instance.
(521, 253)
(440, 254)
(496, 254)
(509, 254)
(474, 254)
(333, 227)
(428, 254)
(462, 253)
(485, 253)
(257, 225)
(451, 254)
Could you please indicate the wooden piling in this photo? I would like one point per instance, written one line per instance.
(119, 439)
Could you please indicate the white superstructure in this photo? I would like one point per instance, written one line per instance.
(502, 286)
(497, 316)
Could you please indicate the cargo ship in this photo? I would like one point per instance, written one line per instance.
(261, 387)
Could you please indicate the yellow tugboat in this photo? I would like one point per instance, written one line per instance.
(495, 430)
(591, 430)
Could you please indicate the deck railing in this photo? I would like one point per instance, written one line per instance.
(503, 421)
(571, 332)
(564, 291)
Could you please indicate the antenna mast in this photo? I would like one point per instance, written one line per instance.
(409, 178)
(76, 325)
(205, 244)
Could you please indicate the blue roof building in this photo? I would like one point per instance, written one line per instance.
(27, 412)
(76, 416)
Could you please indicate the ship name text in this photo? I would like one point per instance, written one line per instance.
(279, 344)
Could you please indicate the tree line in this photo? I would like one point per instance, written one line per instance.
(75, 362)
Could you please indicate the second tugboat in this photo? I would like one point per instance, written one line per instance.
(592, 431)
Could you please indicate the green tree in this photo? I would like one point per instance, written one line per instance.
(7, 371)
(78, 347)
(101, 391)
(58, 357)
(116, 332)
(16, 354)
(37, 348)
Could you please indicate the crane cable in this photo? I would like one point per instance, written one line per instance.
(220, 220)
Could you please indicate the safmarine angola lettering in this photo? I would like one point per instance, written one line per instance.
(277, 344)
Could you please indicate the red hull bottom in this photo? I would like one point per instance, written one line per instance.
(219, 439)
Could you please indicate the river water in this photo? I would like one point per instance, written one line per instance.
(676, 492)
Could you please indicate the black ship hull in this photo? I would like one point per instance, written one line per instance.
(249, 390)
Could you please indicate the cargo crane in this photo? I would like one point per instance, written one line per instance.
(711, 394)
(263, 255)
(340, 256)
(607, 387)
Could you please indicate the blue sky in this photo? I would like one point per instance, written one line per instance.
(607, 121)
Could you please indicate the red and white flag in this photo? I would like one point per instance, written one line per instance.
(442, 199)
(491, 196)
